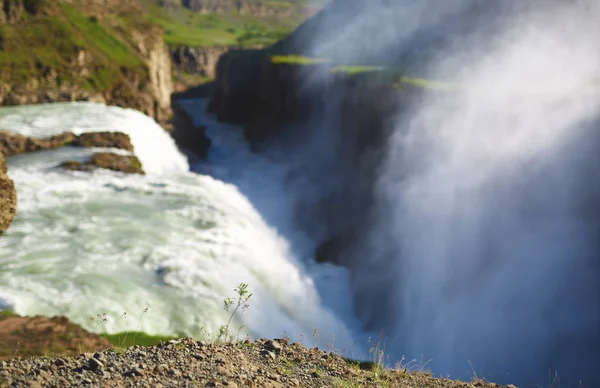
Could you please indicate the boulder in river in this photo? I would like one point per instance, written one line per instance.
(129, 164)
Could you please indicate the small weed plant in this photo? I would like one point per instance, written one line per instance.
(243, 295)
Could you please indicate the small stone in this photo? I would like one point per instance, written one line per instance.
(174, 372)
(95, 364)
(273, 346)
(161, 368)
(86, 380)
(223, 371)
(99, 356)
(268, 354)
(134, 372)
(231, 384)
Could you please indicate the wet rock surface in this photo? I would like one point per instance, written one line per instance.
(129, 164)
(14, 143)
(8, 197)
(187, 362)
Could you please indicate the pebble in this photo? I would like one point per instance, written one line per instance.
(95, 364)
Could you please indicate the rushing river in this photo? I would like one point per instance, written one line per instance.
(177, 240)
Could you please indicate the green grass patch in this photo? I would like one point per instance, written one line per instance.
(105, 43)
(355, 69)
(7, 314)
(184, 27)
(430, 84)
(296, 60)
(44, 46)
(126, 339)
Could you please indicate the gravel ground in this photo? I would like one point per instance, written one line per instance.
(187, 363)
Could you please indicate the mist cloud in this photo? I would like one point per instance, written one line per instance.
(485, 245)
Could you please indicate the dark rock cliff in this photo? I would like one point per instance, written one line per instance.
(338, 120)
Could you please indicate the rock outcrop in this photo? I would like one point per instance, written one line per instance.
(197, 60)
(187, 135)
(14, 143)
(154, 51)
(128, 164)
(8, 197)
(127, 65)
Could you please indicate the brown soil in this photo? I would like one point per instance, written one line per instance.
(35, 336)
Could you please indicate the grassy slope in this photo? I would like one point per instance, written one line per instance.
(45, 46)
(43, 43)
(187, 28)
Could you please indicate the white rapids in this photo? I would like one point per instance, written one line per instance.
(174, 241)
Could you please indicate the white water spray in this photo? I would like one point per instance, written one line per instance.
(493, 216)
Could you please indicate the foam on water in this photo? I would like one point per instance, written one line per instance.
(157, 151)
(174, 241)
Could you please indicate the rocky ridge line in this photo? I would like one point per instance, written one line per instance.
(177, 363)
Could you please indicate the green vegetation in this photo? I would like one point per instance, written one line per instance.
(127, 339)
(187, 28)
(429, 84)
(243, 295)
(44, 47)
(355, 69)
(7, 314)
(296, 60)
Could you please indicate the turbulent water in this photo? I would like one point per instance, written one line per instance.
(175, 241)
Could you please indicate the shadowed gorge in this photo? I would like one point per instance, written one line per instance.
(445, 155)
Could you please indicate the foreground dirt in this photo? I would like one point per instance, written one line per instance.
(187, 362)
(32, 336)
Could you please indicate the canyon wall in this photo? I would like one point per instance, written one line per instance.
(339, 120)
(197, 60)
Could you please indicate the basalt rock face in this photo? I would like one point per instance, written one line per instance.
(338, 120)
(197, 60)
(187, 135)
(263, 96)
